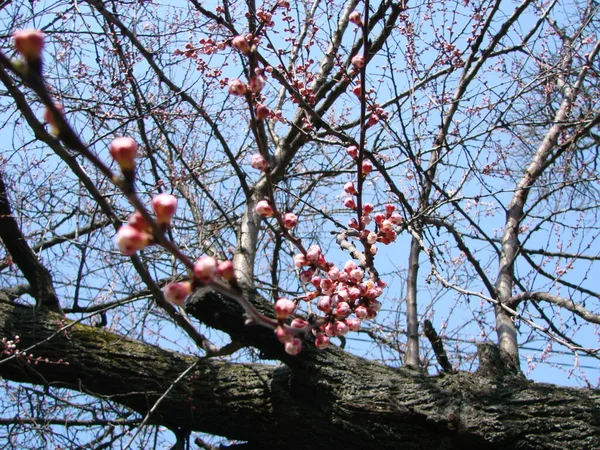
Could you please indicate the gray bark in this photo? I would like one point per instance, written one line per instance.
(318, 399)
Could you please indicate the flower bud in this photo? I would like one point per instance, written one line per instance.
(226, 271)
(236, 87)
(136, 220)
(341, 328)
(359, 61)
(284, 308)
(290, 220)
(357, 90)
(367, 167)
(313, 253)
(298, 323)
(367, 208)
(259, 162)
(324, 304)
(176, 293)
(353, 324)
(352, 151)
(50, 118)
(263, 209)
(389, 209)
(240, 43)
(300, 260)
(355, 18)
(342, 310)
(164, 206)
(321, 341)
(361, 312)
(205, 269)
(283, 335)
(262, 112)
(256, 84)
(29, 43)
(349, 203)
(130, 240)
(349, 188)
(293, 347)
(123, 150)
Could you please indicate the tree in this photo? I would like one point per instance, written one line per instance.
(446, 149)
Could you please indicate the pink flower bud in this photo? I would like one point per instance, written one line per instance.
(137, 221)
(258, 162)
(361, 312)
(373, 250)
(226, 271)
(306, 275)
(321, 341)
(367, 167)
(237, 87)
(331, 329)
(349, 188)
(283, 335)
(263, 209)
(357, 275)
(324, 304)
(313, 253)
(262, 112)
(205, 269)
(359, 61)
(290, 220)
(164, 206)
(354, 293)
(379, 218)
(389, 209)
(355, 18)
(396, 219)
(293, 347)
(357, 90)
(341, 328)
(372, 237)
(130, 240)
(300, 260)
(365, 220)
(284, 308)
(177, 293)
(350, 266)
(349, 203)
(298, 323)
(353, 223)
(29, 43)
(342, 310)
(333, 273)
(256, 84)
(326, 286)
(386, 225)
(373, 119)
(50, 118)
(240, 43)
(353, 324)
(367, 208)
(352, 151)
(123, 150)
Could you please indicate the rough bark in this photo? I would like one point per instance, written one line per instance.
(320, 399)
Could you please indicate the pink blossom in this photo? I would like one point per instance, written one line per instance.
(349, 203)
(353, 324)
(300, 260)
(256, 84)
(321, 341)
(313, 253)
(367, 208)
(357, 90)
(263, 209)
(355, 18)
(237, 87)
(262, 112)
(293, 347)
(290, 220)
(283, 335)
(258, 162)
(130, 240)
(359, 61)
(324, 304)
(240, 43)
(205, 269)
(177, 293)
(136, 220)
(164, 206)
(284, 308)
(349, 188)
(29, 43)
(389, 209)
(226, 271)
(123, 150)
(352, 150)
(342, 310)
(341, 328)
(367, 167)
(361, 312)
(298, 323)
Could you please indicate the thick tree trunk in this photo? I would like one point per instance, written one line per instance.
(321, 399)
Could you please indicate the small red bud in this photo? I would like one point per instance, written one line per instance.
(355, 18)
(123, 150)
(290, 220)
(164, 206)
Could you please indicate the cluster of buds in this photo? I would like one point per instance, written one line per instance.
(138, 234)
(8, 348)
(206, 270)
(344, 296)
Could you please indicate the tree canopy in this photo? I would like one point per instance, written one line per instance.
(295, 225)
